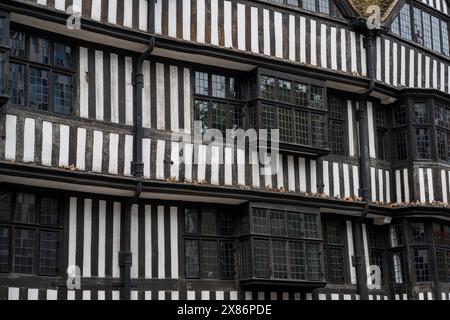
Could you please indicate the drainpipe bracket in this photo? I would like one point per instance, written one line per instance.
(125, 258)
(137, 169)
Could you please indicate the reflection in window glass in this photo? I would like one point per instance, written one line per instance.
(218, 86)
(5, 206)
(40, 50)
(313, 262)
(191, 221)
(17, 44)
(421, 265)
(423, 144)
(192, 259)
(398, 262)
(48, 243)
(38, 89)
(279, 260)
(62, 93)
(49, 211)
(25, 208)
(405, 22)
(209, 263)
(16, 84)
(201, 83)
(420, 113)
(262, 258)
(62, 55)
(318, 130)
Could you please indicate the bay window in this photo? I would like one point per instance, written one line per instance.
(441, 237)
(298, 109)
(40, 73)
(280, 244)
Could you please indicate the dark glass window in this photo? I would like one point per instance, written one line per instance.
(267, 87)
(442, 145)
(62, 93)
(317, 97)
(38, 90)
(283, 244)
(2, 30)
(25, 208)
(423, 143)
(40, 73)
(443, 265)
(401, 145)
(216, 105)
(421, 265)
(442, 116)
(62, 55)
(17, 44)
(417, 232)
(441, 236)
(397, 235)
(209, 249)
(5, 205)
(284, 90)
(17, 84)
(2, 71)
(377, 247)
(334, 247)
(30, 249)
(40, 50)
(398, 262)
(399, 116)
(318, 130)
(381, 145)
(429, 30)
(420, 113)
(337, 136)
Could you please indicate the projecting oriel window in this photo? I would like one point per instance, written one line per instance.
(283, 244)
(441, 236)
(29, 233)
(40, 73)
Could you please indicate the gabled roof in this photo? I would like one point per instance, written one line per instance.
(360, 6)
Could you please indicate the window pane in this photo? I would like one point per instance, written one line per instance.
(297, 261)
(25, 208)
(445, 41)
(268, 120)
(225, 224)
(259, 220)
(441, 116)
(334, 232)
(380, 114)
(267, 88)
(417, 232)
(336, 108)
(398, 262)
(337, 138)
(62, 55)
(48, 242)
(191, 221)
(395, 27)
(286, 125)
(396, 232)
(436, 34)
(4, 249)
(246, 257)
(2, 30)
(279, 259)
(40, 50)
(219, 119)
(418, 25)
(376, 259)
(309, 5)
(5, 206)
(277, 221)
(420, 113)
(301, 127)
(301, 94)
(24, 246)
(335, 265)
(324, 6)
(313, 262)
(192, 260)
(294, 222)
(426, 29)
(442, 269)
(421, 265)
(38, 89)
(442, 144)
(318, 130)
(16, 84)
(235, 91)
(262, 261)
(62, 94)
(49, 211)
(209, 223)
(202, 113)
(17, 44)
(381, 141)
(401, 145)
(227, 260)
(201, 83)
(399, 116)
(209, 267)
(2, 70)
(218, 86)
(284, 91)
(317, 98)
(423, 144)
(311, 226)
(405, 22)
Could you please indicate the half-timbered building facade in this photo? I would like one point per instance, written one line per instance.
(94, 186)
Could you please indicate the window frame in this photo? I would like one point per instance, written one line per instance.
(51, 68)
(341, 121)
(37, 227)
(4, 50)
